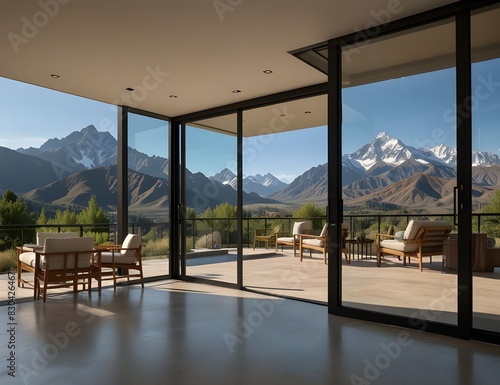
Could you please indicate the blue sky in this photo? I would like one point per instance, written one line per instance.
(419, 110)
(31, 115)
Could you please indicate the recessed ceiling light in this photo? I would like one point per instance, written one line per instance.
(173, 96)
(267, 72)
(236, 91)
(130, 89)
(55, 76)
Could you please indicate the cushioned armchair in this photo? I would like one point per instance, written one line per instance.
(320, 242)
(64, 262)
(26, 254)
(125, 257)
(293, 240)
(420, 239)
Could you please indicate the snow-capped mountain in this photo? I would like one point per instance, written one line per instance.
(446, 154)
(264, 185)
(485, 159)
(225, 176)
(389, 150)
(89, 148)
(394, 152)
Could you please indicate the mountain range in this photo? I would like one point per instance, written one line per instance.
(263, 185)
(66, 172)
(384, 174)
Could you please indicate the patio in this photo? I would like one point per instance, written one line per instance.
(392, 288)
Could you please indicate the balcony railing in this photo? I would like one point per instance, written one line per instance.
(196, 228)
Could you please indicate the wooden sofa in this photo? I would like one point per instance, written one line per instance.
(421, 239)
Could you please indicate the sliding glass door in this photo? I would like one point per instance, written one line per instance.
(285, 184)
(149, 189)
(399, 172)
(485, 109)
(210, 215)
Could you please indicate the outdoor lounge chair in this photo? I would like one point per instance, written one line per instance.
(320, 242)
(64, 262)
(260, 235)
(420, 239)
(293, 241)
(125, 257)
(26, 254)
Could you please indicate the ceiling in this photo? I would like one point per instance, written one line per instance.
(180, 56)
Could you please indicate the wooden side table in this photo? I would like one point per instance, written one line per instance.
(361, 245)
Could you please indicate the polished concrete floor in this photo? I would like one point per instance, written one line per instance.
(175, 332)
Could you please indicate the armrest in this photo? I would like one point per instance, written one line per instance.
(107, 247)
(310, 236)
(386, 235)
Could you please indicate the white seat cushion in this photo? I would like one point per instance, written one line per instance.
(285, 239)
(313, 242)
(28, 258)
(107, 257)
(399, 245)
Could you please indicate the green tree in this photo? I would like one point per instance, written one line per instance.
(13, 211)
(42, 218)
(313, 212)
(63, 217)
(190, 213)
(93, 214)
(223, 220)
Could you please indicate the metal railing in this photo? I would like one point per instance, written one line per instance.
(196, 228)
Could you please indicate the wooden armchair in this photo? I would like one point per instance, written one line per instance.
(125, 257)
(293, 241)
(320, 243)
(26, 254)
(260, 235)
(64, 262)
(420, 239)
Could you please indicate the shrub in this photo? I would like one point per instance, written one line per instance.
(8, 260)
(156, 248)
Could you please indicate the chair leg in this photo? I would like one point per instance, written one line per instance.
(19, 273)
(44, 289)
(36, 288)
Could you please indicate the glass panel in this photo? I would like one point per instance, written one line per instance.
(485, 108)
(149, 190)
(399, 152)
(285, 170)
(211, 199)
(58, 156)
